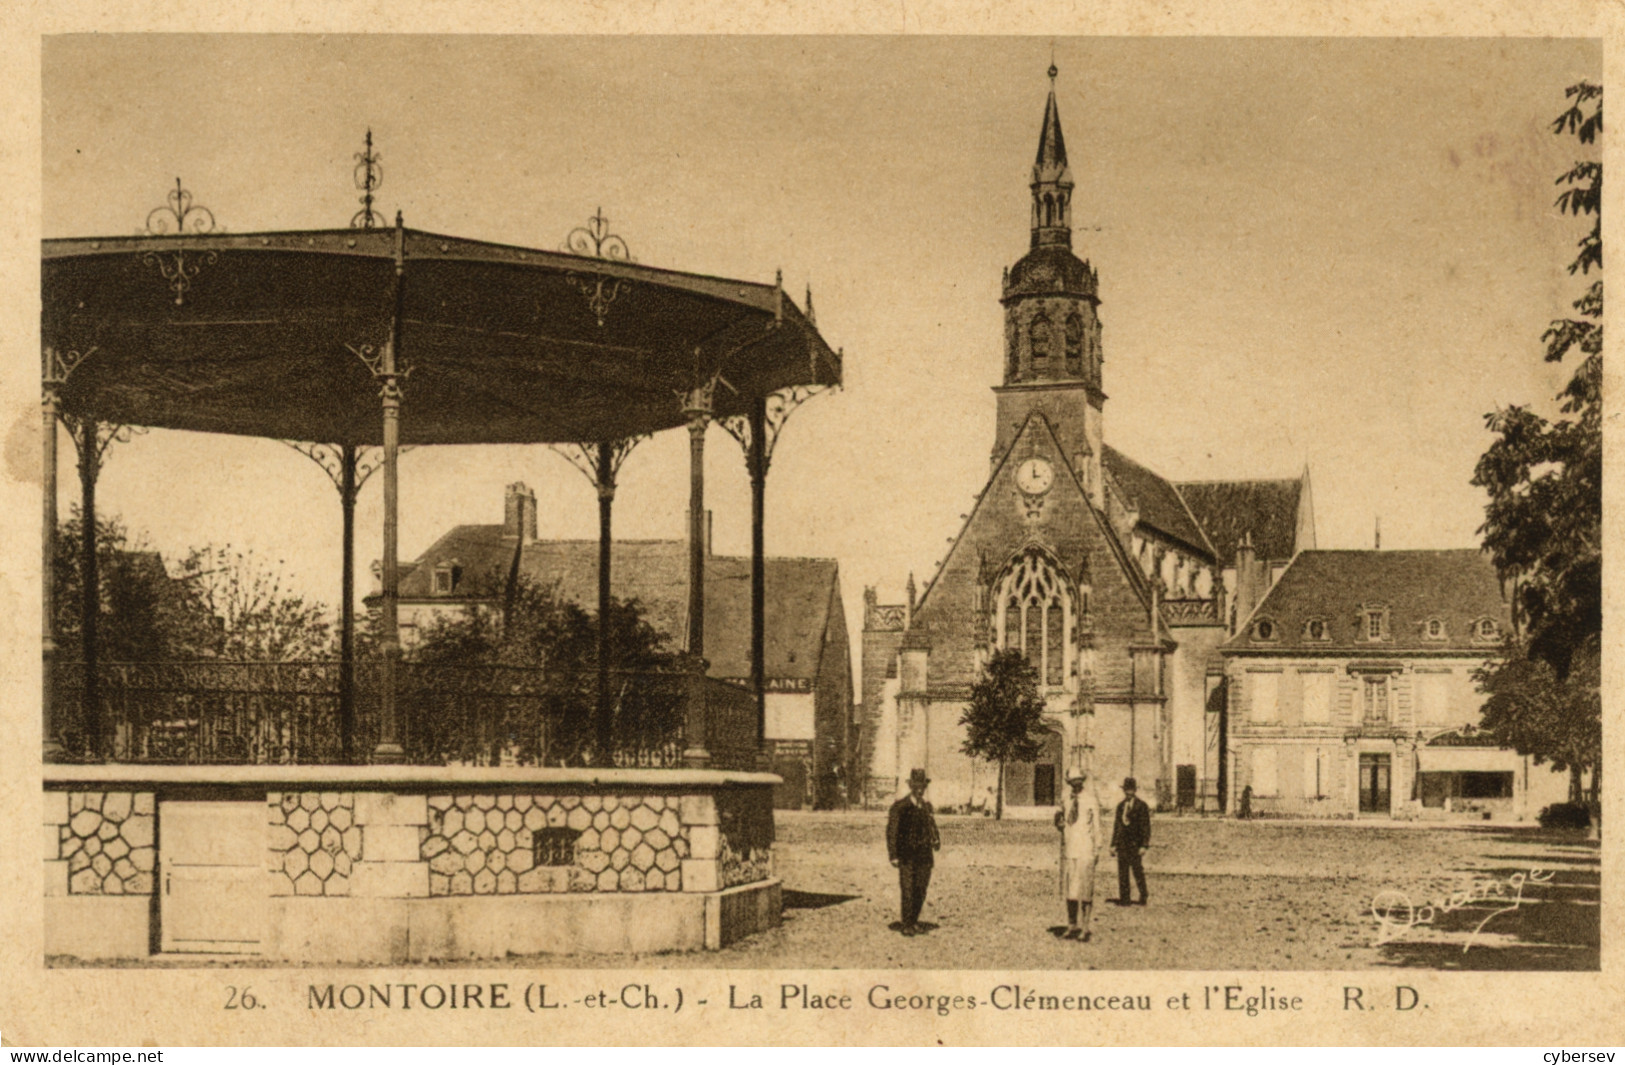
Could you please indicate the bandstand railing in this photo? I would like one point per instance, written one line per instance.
(288, 713)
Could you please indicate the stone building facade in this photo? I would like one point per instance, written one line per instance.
(1351, 692)
(1095, 566)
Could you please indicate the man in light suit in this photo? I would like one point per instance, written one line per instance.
(1131, 835)
(1079, 823)
(911, 844)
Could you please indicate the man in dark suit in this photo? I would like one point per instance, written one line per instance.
(911, 844)
(1131, 835)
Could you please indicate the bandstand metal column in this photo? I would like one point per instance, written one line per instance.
(389, 750)
(697, 407)
(603, 718)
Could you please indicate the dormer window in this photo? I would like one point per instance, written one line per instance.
(1264, 630)
(1317, 630)
(1374, 624)
(445, 578)
(1433, 629)
(1486, 629)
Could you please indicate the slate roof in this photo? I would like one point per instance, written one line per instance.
(1459, 587)
(1159, 502)
(1228, 509)
(799, 592)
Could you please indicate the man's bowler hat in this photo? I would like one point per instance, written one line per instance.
(918, 777)
(1129, 785)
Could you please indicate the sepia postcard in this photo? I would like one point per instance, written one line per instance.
(934, 530)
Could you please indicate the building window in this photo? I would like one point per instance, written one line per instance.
(1376, 701)
(1486, 629)
(1038, 337)
(1264, 780)
(1074, 343)
(1373, 625)
(1264, 630)
(443, 580)
(1036, 616)
(1316, 629)
(1433, 629)
(1317, 698)
(1266, 708)
(1432, 699)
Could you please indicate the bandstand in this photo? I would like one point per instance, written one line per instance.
(310, 811)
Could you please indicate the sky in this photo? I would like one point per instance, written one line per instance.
(1339, 253)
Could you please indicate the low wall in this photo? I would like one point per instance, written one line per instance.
(397, 864)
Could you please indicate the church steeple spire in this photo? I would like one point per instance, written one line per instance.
(1052, 180)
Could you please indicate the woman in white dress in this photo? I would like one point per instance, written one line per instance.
(1079, 823)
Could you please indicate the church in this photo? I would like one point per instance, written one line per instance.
(1118, 585)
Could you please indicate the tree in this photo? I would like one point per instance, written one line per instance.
(1543, 523)
(1554, 720)
(257, 618)
(1003, 722)
(551, 645)
(146, 615)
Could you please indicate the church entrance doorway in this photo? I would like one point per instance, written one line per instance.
(1036, 783)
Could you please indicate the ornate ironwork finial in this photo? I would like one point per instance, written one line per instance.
(368, 176)
(179, 215)
(594, 240)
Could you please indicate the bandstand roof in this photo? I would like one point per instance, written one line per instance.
(500, 344)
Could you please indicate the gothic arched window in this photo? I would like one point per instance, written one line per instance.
(1039, 340)
(1049, 209)
(1074, 343)
(1035, 616)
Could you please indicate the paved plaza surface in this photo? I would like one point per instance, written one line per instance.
(1224, 895)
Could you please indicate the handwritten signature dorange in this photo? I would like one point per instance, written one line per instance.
(1397, 916)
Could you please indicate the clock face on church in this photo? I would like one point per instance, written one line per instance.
(1035, 477)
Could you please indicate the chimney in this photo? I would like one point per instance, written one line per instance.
(1248, 585)
(519, 513)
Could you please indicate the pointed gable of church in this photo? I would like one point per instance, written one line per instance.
(1035, 505)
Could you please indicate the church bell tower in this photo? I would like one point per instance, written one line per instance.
(1052, 357)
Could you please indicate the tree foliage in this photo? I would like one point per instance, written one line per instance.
(1543, 523)
(145, 616)
(555, 643)
(218, 604)
(1555, 720)
(258, 618)
(1004, 719)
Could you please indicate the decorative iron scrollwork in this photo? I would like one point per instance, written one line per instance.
(179, 216)
(584, 457)
(92, 438)
(594, 240)
(368, 176)
(373, 357)
(778, 407)
(368, 460)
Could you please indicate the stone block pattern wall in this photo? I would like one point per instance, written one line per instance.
(484, 844)
(107, 841)
(314, 842)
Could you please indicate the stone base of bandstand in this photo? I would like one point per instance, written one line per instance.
(390, 865)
